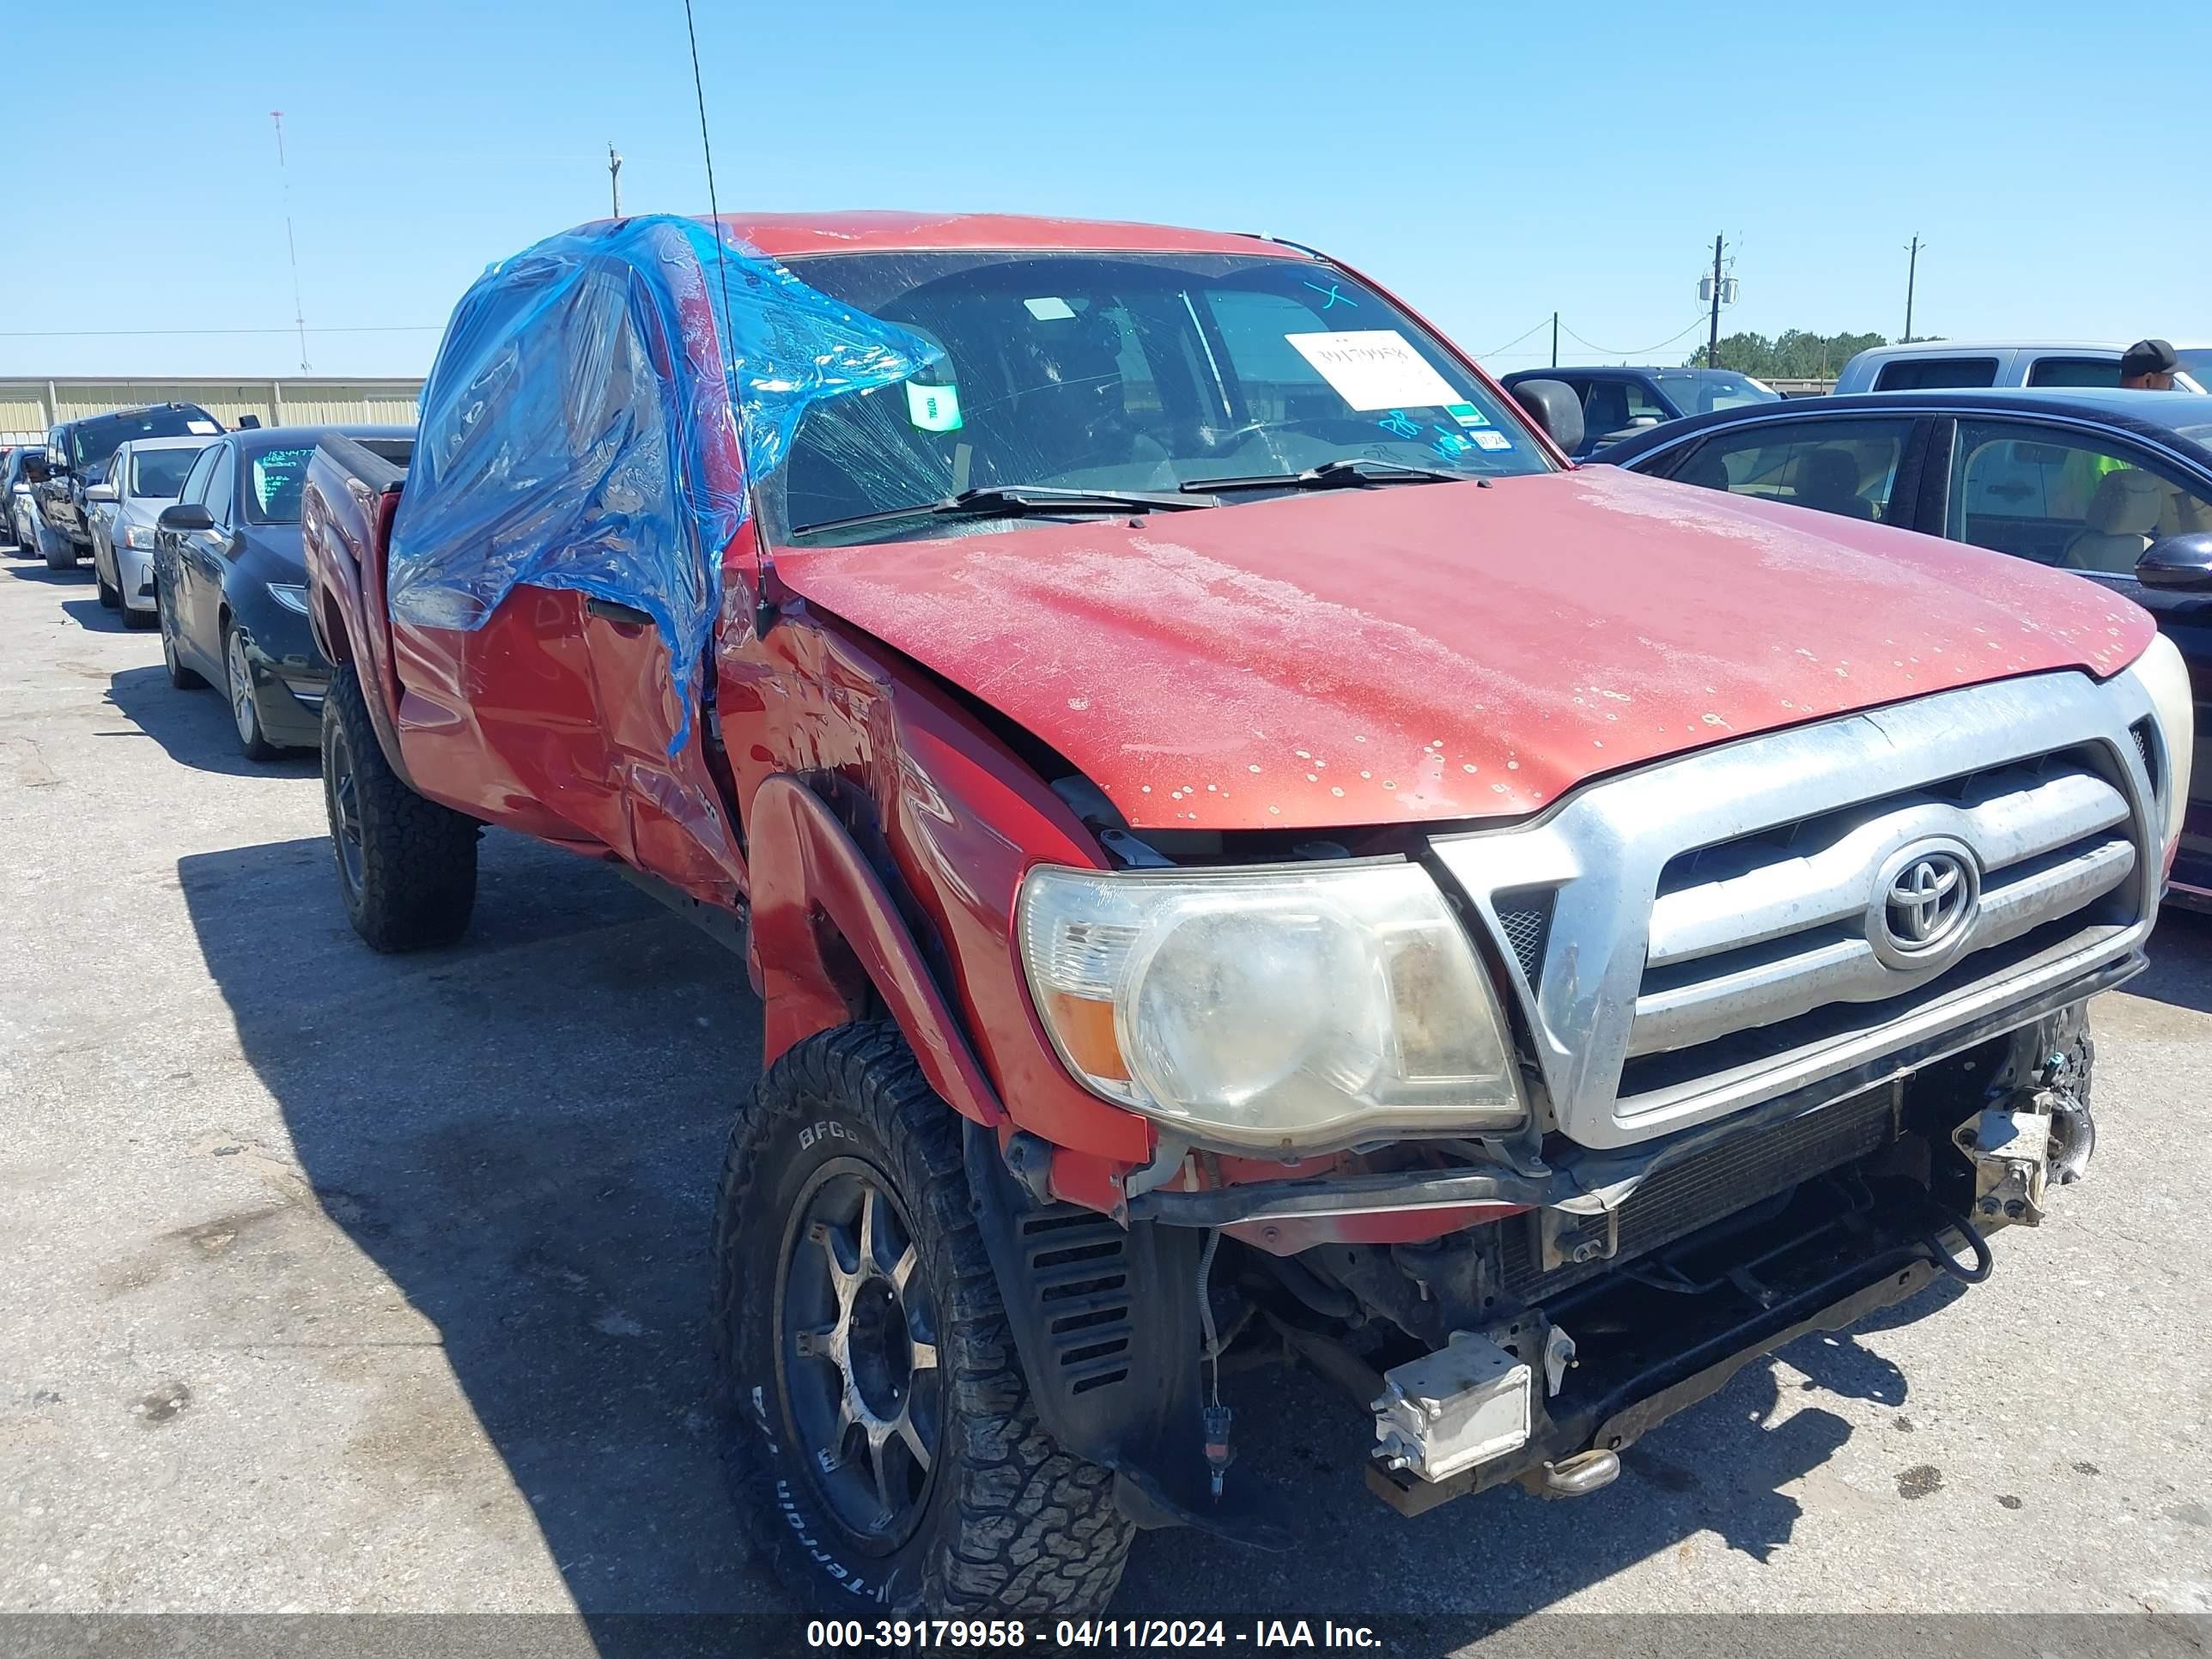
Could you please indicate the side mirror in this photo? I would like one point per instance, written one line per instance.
(102, 492)
(1553, 405)
(184, 516)
(2179, 563)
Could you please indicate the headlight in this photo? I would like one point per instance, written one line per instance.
(138, 535)
(1300, 1008)
(290, 595)
(2165, 676)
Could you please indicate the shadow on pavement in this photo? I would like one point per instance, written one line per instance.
(195, 727)
(78, 575)
(2180, 971)
(523, 1132)
(92, 614)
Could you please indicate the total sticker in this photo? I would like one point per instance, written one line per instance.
(1493, 438)
(933, 408)
(1466, 415)
(1374, 369)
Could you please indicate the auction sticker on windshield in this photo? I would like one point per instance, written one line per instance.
(1375, 368)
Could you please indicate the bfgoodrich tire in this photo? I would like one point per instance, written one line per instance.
(878, 1433)
(406, 866)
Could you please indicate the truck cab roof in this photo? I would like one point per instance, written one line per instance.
(788, 235)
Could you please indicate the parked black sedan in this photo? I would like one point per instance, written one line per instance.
(230, 583)
(2117, 485)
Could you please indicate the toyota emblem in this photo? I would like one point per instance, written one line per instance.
(1924, 903)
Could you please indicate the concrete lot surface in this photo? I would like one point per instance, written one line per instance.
(338, 1282)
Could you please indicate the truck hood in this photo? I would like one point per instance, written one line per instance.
(1442, 652)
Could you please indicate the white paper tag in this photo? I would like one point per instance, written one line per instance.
(1375, 368)
(1049, 309)
(202, 428)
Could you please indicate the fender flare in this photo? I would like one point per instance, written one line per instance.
(807, 878)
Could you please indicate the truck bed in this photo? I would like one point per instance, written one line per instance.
(352, 490)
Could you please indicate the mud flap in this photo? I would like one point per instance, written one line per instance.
(1106, 1322)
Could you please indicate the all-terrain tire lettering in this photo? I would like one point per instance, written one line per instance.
(1013, 1522)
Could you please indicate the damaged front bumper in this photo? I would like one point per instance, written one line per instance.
(1552, 1411)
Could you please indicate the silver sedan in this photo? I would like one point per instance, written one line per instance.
(144, 477)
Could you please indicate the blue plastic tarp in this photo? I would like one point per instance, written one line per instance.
(597, 408)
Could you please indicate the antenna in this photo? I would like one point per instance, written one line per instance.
(299, 313)
(614, 176)
(763, 608)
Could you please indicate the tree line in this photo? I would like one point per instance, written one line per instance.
(1796, 353)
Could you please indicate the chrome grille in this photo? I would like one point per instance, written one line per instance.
(1713, 937)
(1785, 923)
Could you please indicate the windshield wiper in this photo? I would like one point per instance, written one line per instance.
(1019, 501)
(1352, 469)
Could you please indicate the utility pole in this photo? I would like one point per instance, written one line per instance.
(1912, 272)
(1555, 339)
(291, 246)
(614, 177)
(1713, 341)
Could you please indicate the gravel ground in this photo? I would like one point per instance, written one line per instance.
(340, 1283)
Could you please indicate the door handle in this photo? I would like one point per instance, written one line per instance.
(622, 616)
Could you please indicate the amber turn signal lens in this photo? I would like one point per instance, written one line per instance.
(1085, 1026)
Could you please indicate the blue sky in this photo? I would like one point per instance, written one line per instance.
(1490, 162)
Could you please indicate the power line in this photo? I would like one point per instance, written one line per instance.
(180, 333)
(1517, 338)
(1697, 322)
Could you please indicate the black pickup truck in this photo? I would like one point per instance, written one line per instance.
(78, 453)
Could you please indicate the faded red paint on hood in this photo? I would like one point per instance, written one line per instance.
(1446, 651)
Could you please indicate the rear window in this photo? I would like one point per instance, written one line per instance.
(94, 441)
(1703, 391)
(1924, 373)
(278, 475)
(161, 472)
(2075, 371)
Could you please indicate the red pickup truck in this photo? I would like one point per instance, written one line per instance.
(1239, 842)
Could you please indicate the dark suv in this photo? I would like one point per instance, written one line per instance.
(78, 453)
(1621, 403)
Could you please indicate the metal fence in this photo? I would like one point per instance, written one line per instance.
(29, 407)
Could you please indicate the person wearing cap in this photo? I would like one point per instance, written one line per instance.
(2148, 366)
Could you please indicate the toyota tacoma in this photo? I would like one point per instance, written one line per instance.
(1240, 846)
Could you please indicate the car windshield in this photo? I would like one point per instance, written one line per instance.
(96, 440)
(161, 472)
(1704, 391)
(1149, 373)
(278, 475)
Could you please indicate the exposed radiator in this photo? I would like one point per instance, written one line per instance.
(1704, 1188)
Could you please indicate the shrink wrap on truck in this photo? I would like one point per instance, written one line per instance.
(597, 411)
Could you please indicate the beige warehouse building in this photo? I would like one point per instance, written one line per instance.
(29, 406)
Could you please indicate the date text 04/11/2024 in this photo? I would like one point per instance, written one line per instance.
(900, 1634)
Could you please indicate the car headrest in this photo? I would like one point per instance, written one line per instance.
(2126, 504)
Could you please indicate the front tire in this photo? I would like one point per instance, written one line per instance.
(879, 1431)
(407, 866)
(111, 597)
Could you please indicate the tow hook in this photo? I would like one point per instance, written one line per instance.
(2020, 1144)
(1578, 1476)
